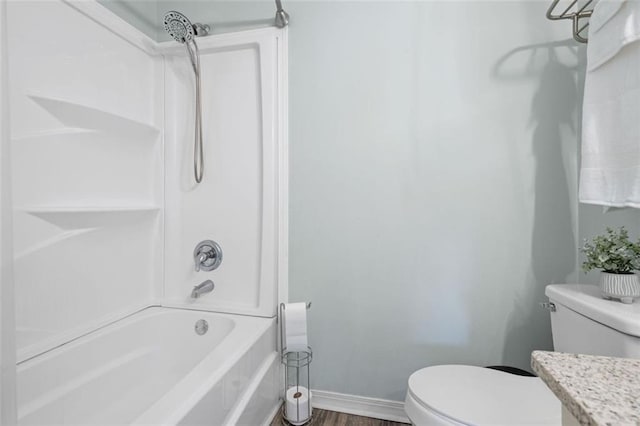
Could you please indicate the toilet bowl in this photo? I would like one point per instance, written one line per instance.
(468, 395)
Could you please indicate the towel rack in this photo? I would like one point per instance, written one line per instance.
(578, 11)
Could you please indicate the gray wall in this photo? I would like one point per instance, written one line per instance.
(434, 152)
(431, 178)
(142, 14)
(221, 16)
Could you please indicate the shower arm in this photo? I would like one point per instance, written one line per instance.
(282, 17)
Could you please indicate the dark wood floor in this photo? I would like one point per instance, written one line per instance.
(331, 418)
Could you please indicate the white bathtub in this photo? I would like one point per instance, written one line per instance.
(153, 368)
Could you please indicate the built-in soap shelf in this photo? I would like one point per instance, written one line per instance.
(87, 209)
(82, 217)
(63, 134)
(71, 135)
(77, 117)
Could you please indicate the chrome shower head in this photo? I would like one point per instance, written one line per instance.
(178, 26)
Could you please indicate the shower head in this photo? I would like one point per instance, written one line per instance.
(181, 29)
(178, 26)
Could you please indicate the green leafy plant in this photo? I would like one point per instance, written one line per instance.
(612, 252)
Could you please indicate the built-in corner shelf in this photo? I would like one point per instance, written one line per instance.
(83, 217)
(77, 116)
(76, 221)
(63, 134)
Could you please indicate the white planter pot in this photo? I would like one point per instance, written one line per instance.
(624, 287)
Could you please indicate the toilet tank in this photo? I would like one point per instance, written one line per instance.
(583, 322)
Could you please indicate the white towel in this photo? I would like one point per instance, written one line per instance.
(610, 171)
(613, 25)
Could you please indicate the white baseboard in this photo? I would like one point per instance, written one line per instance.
(272, 415)
(360, 405)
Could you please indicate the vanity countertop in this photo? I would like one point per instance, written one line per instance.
(597, 390)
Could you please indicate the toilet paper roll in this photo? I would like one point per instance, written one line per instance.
(298, 400)
(295, 326)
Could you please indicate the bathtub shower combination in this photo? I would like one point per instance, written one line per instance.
(149, 253)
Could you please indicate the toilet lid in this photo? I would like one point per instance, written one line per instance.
(482, 396)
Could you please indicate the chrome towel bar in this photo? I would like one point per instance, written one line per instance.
(578, 11)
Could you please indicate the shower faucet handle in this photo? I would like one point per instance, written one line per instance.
(207, 256)
(201, 258)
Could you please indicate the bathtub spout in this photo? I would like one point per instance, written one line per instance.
(200, 289)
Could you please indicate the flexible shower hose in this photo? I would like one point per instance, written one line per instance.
(198, 154)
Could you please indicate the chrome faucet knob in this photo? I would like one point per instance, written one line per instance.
(207, 256)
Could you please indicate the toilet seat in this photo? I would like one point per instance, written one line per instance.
(468, 395)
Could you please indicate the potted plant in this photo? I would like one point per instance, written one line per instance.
(618, 258)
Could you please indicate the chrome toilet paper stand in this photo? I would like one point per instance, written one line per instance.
(296, 370)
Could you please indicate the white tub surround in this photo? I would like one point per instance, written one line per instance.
(87, 160)
(7, 317)
(92, 219)
(594, 390)
(239, 203)
(107, 216)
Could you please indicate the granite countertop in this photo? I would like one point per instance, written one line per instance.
(597, 390)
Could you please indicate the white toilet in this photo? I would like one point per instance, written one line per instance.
(582, 322)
